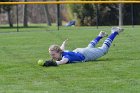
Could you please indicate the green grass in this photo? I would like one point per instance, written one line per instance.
(116, 72)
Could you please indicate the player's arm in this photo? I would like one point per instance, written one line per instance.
(63, 45)
(63, 61)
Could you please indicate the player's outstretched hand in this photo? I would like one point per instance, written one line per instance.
(65, 41)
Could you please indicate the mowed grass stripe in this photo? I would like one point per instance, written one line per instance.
(116, 72)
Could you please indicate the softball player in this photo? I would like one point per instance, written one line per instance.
(88, 53)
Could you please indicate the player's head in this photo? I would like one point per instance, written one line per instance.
(55, 52)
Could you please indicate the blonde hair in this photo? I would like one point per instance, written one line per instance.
(55, 48)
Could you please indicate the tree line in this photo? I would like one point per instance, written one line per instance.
(84, 14)
(106, 14)
(24, 13)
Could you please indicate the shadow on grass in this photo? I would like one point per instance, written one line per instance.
(5, 27)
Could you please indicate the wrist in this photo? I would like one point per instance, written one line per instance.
(58, 62)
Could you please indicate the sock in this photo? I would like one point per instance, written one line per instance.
(110, 39)
(113, 35)
(95, 41)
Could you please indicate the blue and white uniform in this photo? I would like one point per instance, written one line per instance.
(73, 56)
(90, 52)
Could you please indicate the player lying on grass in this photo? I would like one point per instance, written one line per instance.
(89, 53)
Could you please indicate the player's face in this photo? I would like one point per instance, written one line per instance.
(55, 55)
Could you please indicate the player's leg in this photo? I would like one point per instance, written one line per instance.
(94, 42)
(107, 43)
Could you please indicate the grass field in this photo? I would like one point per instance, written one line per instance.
(116, 72)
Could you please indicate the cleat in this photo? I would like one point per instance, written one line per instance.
(103, 34)
(116, 29)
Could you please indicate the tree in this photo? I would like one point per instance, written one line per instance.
(131, 14)
(120, 14)
(7, 8)
(47, 14)
(25, 15)
(85, 13)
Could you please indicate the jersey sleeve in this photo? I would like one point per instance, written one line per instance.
(67, 56)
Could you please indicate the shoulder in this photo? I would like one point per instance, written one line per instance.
(67, 54)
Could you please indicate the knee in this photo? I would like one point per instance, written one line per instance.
(104, 49)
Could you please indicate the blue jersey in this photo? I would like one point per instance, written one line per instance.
(73, 56)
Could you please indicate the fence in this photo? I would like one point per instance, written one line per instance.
(69, 2)
(73, 2)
